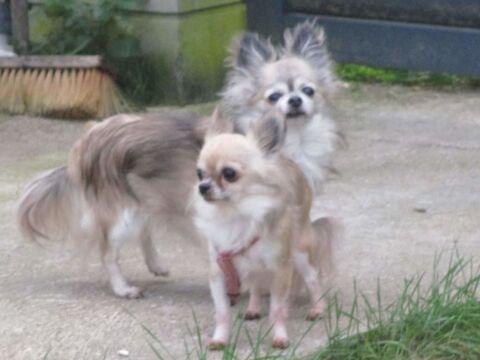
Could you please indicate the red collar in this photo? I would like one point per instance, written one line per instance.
(225, 262)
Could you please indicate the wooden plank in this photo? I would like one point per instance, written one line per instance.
(19, 17)
(266, 17)
(398, 45)
(52, 62)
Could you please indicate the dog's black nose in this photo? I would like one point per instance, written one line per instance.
(203, 188)
(295, 102)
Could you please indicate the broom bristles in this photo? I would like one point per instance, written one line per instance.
(63, 93)
(10, 90)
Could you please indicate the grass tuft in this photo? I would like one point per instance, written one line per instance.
(436, 318)
(441, 321)
(365, 74)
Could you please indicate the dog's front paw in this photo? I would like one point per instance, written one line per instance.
(317, 311)
(216, 345)
(158, 270)
(252, 315)
(280, 343)
(315, 314)
(129, 292)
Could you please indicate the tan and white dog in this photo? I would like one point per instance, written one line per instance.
(253, 206)
(128, 178)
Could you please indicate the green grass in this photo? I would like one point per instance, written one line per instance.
(440, 321)
(446, 331)
(366, 74)
(435, 318)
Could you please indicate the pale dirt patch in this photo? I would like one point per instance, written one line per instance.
(408, 149)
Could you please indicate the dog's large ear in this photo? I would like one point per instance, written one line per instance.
(269, 133)
(308, 41)
(249, 52)
(219, 123)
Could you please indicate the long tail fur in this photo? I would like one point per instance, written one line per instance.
(147, 146)
(45, 209)
(327, 233)
(98, 179)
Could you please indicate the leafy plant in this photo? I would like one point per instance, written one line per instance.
(98, 27)
(85, 27)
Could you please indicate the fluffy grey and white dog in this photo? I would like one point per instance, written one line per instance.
(297, 80)
(131, 175)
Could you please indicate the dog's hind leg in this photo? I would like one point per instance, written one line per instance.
(118, 282)
(310, 276)
(151, 257)
(126, 227)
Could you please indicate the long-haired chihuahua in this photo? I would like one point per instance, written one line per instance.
(296, 80)
(253, 206)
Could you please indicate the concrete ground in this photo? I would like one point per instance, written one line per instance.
(409, 188)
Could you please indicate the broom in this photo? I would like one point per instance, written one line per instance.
(55, 86)
(58, 86)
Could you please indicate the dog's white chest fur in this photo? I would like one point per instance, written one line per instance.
(231, 231)
(257, 263)
(310, 146)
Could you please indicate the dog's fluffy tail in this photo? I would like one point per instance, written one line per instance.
(46, 208)
(327, 233)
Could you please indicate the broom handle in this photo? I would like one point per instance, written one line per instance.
(19, 12)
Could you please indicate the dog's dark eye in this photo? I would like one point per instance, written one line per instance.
(273, 98)
(307, 90)
(200, 174)
(229, 174)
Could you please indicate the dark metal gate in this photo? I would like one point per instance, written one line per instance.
(425, 35)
